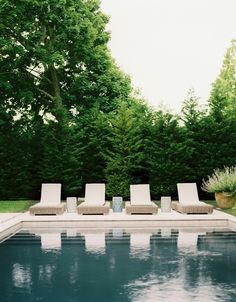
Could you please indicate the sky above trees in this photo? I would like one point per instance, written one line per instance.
(169, 47)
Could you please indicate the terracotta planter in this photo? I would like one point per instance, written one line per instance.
(225, 201)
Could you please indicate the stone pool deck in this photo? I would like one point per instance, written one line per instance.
(13, 222)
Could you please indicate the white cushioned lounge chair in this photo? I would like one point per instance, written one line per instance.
(140, 200)
(50, 201)
(189, 202)
(94, 200)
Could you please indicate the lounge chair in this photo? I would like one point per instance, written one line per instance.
(50, 201)
(140, 201)
(189, 202)
(94, 200)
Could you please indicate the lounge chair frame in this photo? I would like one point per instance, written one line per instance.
(38, 209)
(141, 209)
(202, 208)
(94, 192)
(84, 208)
(193, 206)
(145, 208)
(49, 207)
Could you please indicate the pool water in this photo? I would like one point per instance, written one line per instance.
(118, 266)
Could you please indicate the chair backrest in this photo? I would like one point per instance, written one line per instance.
(187, 193)
(95, 193)
(51, 193)
(140, 194)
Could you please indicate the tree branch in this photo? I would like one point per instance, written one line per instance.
(46, 93)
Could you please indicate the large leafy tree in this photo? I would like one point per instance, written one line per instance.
(54, 68)
(54, 57)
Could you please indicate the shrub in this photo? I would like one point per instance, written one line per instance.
(221, 181)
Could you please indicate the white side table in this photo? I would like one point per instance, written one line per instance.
(71, 203)
(166, 204)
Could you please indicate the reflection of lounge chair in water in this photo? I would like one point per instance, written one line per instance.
(189, 202)
(117, 233)
(51, 241)
(187, 240)
(95, 242)
(165, 232)
(140, 245)
(71, 233)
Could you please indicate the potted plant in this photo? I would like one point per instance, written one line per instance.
(223, 184)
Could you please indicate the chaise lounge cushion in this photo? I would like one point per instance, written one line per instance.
(189, 202)
(140, 200)
(50, 201)
(94, 200)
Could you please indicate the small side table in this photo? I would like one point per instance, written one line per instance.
(166, 204)
(117, 204)
(71, 203)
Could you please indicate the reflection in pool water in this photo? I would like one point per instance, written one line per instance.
(119, 265)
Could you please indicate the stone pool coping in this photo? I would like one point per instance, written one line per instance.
(13, 222)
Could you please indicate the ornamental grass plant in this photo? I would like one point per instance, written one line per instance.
(222, 180)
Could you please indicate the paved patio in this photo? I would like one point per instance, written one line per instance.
(12, 222)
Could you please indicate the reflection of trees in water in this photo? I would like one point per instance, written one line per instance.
(61, 274)
(220, 260)
(211, 266)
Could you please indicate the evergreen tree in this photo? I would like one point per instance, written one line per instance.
(92, 132)
(169, 156)
(223, 95)
(15, 158)
(125, 154)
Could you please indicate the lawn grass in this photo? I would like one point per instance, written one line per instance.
(228, 211)
(20, 206)
(15, 206)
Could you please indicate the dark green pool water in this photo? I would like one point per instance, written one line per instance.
(118, 266)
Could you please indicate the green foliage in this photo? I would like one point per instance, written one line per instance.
(62, 119)
(54, 56)
(92, 131)
(223, 94)
(168, 155)
(55, 68)
(125, 154)
(221, 181)
(14, 158)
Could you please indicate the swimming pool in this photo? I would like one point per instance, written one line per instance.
(119, 265)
